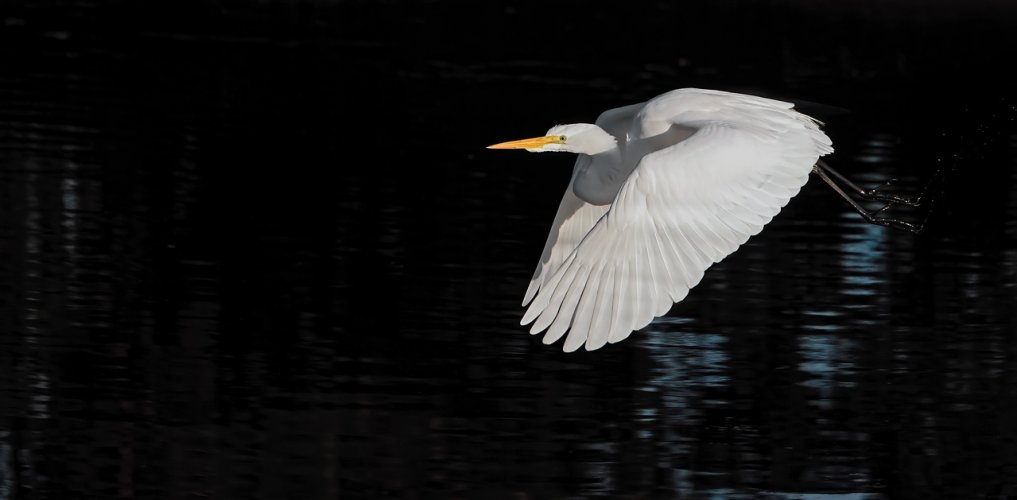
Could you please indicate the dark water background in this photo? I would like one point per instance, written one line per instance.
(257, 250)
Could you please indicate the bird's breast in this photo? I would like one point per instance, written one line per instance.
(598, 178)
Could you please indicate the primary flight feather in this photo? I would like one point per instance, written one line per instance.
(661, 190)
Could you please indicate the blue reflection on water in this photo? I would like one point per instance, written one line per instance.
(863, 257)
(827, 356)
(680, 356)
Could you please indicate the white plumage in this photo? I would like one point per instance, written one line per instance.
(660, 191)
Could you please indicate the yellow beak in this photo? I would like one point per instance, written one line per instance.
(531, 143)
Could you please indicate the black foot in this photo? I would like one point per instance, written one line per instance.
(872, 216)
(879, 193)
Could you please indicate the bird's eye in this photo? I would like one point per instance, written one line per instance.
(561, 138)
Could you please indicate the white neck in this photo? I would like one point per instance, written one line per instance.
(593, 140)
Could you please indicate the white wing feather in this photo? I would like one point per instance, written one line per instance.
(682, 209)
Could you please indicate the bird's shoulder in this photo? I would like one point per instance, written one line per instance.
(707, 98)
(764, 118)
(694, 107)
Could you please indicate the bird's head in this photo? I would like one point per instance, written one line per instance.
(583, 138)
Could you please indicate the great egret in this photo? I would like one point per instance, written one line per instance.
(662, 190)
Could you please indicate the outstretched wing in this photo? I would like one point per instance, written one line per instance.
(575, 217)
(682, 209)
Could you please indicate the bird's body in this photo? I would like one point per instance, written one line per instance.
(661, 190)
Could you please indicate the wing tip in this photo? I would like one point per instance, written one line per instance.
(530, 315)
(571, 346)
(531, 291)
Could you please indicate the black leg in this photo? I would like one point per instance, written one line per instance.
(871, 216)
(876, 193)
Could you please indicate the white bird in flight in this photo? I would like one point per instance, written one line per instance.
(661, 191)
